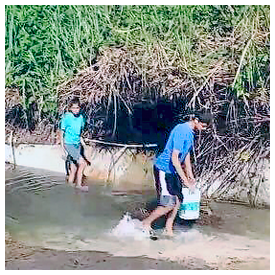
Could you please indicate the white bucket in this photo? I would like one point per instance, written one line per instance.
(190, 207)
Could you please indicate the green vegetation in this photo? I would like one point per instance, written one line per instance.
(47, 45)
(138, 69)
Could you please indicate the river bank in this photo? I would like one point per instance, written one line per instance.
(127, 167)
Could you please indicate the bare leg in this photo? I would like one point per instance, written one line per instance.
(158, 212)
(79, 174)
(71, 177)
(171, 218)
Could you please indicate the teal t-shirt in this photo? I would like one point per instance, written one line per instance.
(182, 139)
(72, 127)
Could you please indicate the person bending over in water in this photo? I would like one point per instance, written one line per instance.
(71, 126)
(172, 168)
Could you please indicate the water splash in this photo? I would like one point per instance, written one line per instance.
(128, 227)
(41, 210)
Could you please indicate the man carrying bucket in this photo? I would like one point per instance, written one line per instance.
(172, 168)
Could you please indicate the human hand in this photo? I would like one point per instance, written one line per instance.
(192, 188)
(64, 155)
(63, 152)
(191, 180)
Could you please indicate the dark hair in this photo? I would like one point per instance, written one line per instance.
(189, 117)
(206, 117)
(73, 101)
(193, 117)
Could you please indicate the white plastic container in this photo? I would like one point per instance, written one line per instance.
(190, 207)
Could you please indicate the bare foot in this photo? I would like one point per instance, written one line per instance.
(168, 233)
(70, 183)
(146, 226)
(82, 188)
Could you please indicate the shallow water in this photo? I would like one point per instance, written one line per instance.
(42, 210)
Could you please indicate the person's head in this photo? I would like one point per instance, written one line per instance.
(196, 124)
(74, 106)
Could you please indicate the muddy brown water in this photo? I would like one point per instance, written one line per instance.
(42, 211)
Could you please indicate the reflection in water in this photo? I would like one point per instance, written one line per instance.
(42, 210)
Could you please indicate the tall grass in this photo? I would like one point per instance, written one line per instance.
(46, 45)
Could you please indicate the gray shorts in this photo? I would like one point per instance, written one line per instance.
(74, 150)
(167, 200)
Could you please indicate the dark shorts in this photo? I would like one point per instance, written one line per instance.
(167, 200)
(173, 185)
(74, 151)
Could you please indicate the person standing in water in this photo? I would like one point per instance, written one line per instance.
(172, 170)
(71, 127)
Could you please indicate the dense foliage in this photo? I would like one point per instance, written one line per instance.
(46, 45)
(138, 69)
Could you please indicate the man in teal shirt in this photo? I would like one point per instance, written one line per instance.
(72, 124)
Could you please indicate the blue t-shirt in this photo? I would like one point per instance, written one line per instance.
(72, 126)
(182, 139)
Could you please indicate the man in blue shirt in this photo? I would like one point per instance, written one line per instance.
(72, 124)
(172, 168)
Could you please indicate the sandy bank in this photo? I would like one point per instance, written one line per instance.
(21, 257)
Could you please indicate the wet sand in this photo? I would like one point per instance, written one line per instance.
(21, 257)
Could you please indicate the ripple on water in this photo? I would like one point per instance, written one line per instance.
(42, 210)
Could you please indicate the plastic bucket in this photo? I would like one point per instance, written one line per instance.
(190, 207)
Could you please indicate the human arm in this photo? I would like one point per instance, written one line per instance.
(60, 140)
(61, 133)
(180, 171)
(188, 169)
(83, 124)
